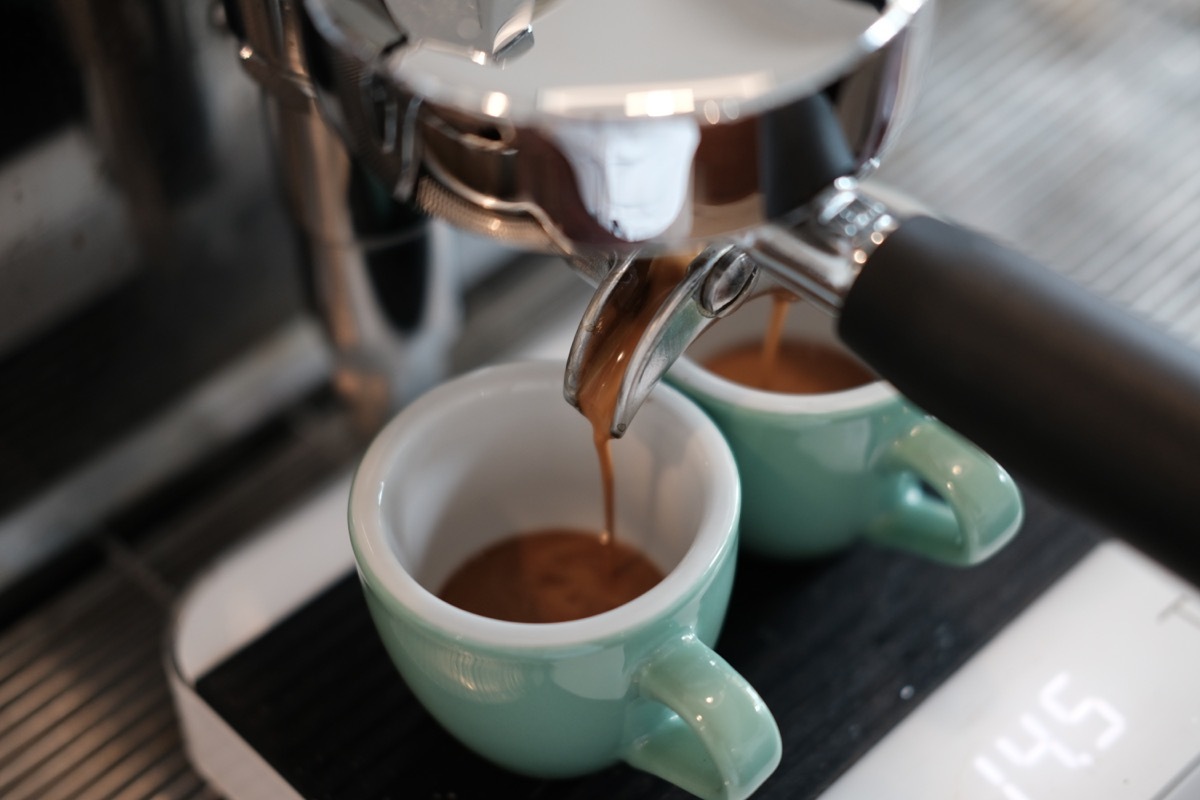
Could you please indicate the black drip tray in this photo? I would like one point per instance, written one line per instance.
(841, 650)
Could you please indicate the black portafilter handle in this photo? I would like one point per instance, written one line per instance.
(1097, 407)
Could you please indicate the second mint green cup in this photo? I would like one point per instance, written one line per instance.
(499, 452)
(819, 471)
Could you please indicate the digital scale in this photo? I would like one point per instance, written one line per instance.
(1092, 692)
(1068, 666)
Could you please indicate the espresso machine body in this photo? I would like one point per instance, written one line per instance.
(200, 314)
(153, 240)
(142, 250)
(622, 132)
(748, 132)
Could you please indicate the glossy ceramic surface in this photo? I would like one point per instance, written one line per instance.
(498, 452)
(820, 470)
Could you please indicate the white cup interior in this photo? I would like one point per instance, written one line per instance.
(499, 452)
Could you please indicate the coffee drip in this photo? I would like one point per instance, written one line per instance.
(788, 366)
(560, 575)
(618, 331)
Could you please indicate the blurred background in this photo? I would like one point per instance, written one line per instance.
(166, 385)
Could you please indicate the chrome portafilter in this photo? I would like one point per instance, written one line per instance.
(714, 126)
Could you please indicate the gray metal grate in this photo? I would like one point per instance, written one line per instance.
(1067, 126)
(84, 706)
(1070, 127)
(84, 709)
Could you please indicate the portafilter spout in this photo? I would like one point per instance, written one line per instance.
(817, 259)
(612, 130)
(711, 286)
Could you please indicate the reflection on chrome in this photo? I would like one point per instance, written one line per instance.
(483, 31)
(632, 176)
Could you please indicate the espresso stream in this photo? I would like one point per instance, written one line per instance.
(561, 575)
(616, 335)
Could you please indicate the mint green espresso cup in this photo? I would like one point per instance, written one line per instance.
(820, 470)
(499, 452)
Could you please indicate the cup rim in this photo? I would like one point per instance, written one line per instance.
(403, 594)
(688, 372)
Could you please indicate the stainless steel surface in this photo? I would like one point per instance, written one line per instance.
(482, 31)
(56, 209)
(146, 108)
(1068, 127)
(666, 125)
(267, 379)
(819, 257)
(142, 250)
(120, 141)
(349, 225)
(108, 139)
(716, 282)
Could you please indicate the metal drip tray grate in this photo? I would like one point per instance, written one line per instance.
(85, 709)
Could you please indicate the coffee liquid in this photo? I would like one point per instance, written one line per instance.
(786, 365)
(550, 576)
(560, 575)
(617, 333)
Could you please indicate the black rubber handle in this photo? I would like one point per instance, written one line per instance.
(1094, 405)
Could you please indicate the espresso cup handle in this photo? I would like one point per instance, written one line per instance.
(975, 507)
(715, 738)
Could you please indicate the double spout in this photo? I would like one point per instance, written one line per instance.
(816, 258)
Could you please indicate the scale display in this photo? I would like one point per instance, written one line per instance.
(1093, 692)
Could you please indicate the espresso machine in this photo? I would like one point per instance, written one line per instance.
(745, 136)
(227, 222)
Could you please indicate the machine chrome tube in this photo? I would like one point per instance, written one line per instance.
(388, 313)
(820, 257)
